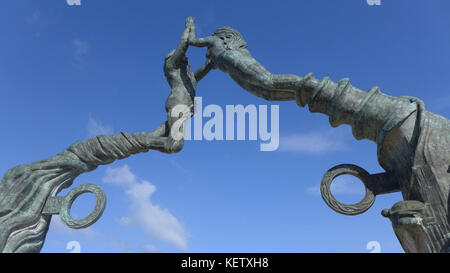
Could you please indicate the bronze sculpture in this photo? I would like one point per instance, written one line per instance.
(413, 148)
(28, 192)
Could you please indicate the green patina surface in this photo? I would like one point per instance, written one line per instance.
(413, 148)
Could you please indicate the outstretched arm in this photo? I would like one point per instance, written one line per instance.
(198, 42)
(203, 70)
(177, 55)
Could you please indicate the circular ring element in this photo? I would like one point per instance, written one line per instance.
(353, 209)
(100, 203)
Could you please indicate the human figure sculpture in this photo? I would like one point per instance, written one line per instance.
(413, 147)
(28, 192)
(413, 144)
(227, 50)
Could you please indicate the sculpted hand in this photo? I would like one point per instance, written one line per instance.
(193, 40)
(191, 25)
(189, 22)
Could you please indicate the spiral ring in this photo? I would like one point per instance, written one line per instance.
(353, 209)
(100, 203)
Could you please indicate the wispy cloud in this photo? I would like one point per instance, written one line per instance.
(96, 128)
(34, 18)
(80, 50)
(313, 142)
(56, 225)
(149, 248)
(159, 223)
(341, 185)
(118, 244)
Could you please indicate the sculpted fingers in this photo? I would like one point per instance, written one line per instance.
(185, 36)
(189, 21)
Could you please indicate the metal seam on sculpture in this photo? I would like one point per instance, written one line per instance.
(112, 142)
(95, 157)
(432, 238)
(357, 116)
(72, 149)
(420, 122)
(122, 150)
(388, 126)
(109, 146)
(136, 142)
(74, 156)
(125, 136)
(439, 234)
(75, 161)
(77, 149)
(323, 82)
(440, 231)
(133, 142)
(118, 142)
(104, 151)
(342, 88)
(98, 151)
(342, 85)
(420, 126)
(435, 234)
(299, 87)
(308, 78)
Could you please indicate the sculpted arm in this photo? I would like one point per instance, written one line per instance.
(198, 42)
(175, 57)
(201, 72)
(227, 51)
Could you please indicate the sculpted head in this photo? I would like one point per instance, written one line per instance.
(231, 38)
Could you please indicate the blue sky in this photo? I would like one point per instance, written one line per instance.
(71, 72)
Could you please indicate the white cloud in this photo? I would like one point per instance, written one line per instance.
(313, 142)
(159, 223)
(119, 245)
(80, 50)
(341, 185)
(95, 128)
(120, 176)
(344, 185)
(89, 233)
(56, 225)
(314, 190)
(34, 18)
(149, 248)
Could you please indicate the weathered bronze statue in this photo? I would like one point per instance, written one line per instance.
(413, 148)
(413, 144)
(28, 192)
